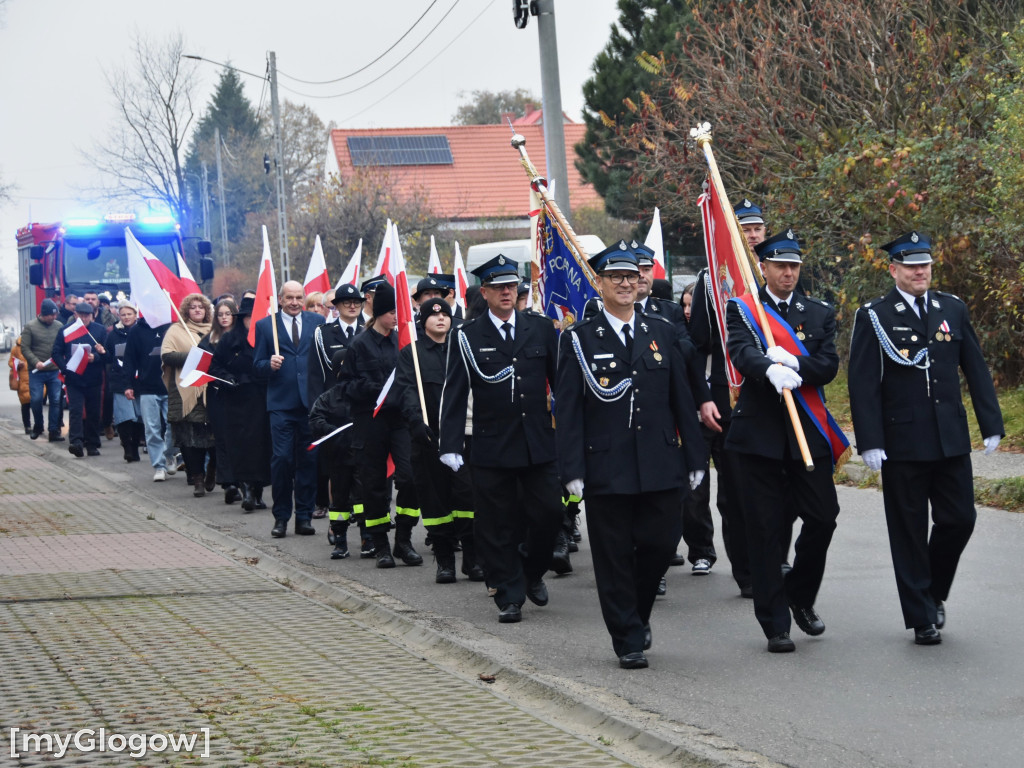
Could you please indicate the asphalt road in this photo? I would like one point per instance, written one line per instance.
(860, 695)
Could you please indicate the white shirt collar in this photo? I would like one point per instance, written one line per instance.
(498, 322)
(910, 299)
(617, 324)
(777, 300)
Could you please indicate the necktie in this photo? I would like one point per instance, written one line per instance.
(628, 335)
(350, 332)
(922, 310)
(295, 332)
(784, 309)
(506, 328)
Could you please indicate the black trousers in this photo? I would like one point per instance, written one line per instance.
(387, 434)
(772, 491)
(84, 414)
(632, 539)
(925, 565)
(509, 502)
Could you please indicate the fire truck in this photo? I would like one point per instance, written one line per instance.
(89, 254)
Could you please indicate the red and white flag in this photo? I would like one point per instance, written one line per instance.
(194, 372)
(384, 263)
(328, 436)
(188, 283)
(147, 293)
(351, 273)
(316, 273)
(265, 302)
(384, 393)
(724, 278)
(403, 299)
(76, 330)
(79, 359)
(434, 262)
(461, 279)
(654, 242)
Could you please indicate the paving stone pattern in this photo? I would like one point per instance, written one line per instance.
(161, 635)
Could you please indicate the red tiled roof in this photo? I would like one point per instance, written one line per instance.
(486, 178)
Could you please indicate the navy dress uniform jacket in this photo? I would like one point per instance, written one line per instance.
(760, 415)
(511, 420)
(646, 440)
(287, 387)
(328, 339)
(910, 413)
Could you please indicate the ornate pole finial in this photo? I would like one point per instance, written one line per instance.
(701, 134)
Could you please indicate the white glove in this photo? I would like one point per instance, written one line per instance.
(575, 487)
(873, 458)
(991, 443)
(695, 478)
(781, 356)
(452, 460)
(782, 378)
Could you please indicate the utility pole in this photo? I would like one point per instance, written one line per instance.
(206, 203)
(282, 213)
(220, 194)
(551, 99)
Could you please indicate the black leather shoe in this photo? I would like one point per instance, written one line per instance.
(537, 591)
(747, 591)
(510, 614)
(232, 494)
(677, 559)
(248, 500)
(304, 528)
(408, 555)
(75, 449)
(367, 549)
(445, 570)
(807, 620)
(648, 637)
(473, 572)
(634, 660)
(662, 587)
(940, 615)
(56, 437)
(340, 549)
(92, 451)
(384, 558)
(560, 563)
(280, 529)
(35, 434)
(927, 635)
(781, 643)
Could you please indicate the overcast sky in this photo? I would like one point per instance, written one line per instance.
(55, 104)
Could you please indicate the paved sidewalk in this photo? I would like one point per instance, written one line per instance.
(110, 620)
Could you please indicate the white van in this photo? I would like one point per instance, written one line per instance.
(519, 251)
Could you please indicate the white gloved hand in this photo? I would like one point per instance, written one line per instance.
(575, 487)
(873, 458)
(782, 357)
(695, 478)
(991, 443)
(782, 378)
(452, 460)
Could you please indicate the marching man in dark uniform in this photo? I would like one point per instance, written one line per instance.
(906, 353)
(773, 482)
(628, 443)
(507, 360)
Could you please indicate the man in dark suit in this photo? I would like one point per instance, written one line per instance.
(292, 467)
(773, 483)
(906, 354)
(507, 359)
(628, 443)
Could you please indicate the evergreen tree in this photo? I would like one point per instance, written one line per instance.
(645, 28)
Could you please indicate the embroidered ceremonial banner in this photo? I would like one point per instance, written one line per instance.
(564, 286)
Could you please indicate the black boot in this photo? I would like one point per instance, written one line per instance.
(403, 541)
(560, 557)
(382, 548)
(257, 492)
(340, 530)
(126, 433)
(470, 567)
(232, 494)
(248, 499)
(444, 556)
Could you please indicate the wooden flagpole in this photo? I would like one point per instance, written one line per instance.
(702, 136)
(416, 369)
(273, 328)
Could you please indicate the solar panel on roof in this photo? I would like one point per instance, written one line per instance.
(399, 150)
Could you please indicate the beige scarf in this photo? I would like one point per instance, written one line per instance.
(177, 339)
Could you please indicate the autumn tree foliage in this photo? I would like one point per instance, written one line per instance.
(855, 121)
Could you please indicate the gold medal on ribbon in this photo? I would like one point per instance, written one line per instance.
(657, 356)
(947, 337)
(800, 335)
(939, 336)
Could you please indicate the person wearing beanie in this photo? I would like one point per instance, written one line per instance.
(380, 430)
(37, 339)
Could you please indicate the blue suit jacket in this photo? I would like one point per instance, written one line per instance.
(286, 387)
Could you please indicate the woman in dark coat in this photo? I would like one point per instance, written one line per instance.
(216, 393)
(244, 411)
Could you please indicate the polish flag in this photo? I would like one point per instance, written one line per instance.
(654, 242)
(188, 283)
(461, 279)
(76, 330)
(384, 393)
(351, 273)
(147, 293)
(265, 302)
(384, 264)
(316, 273)
(403, 299)
(434, 262)
(79, 360)
(194, 372)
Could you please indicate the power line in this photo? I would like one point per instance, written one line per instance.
(424, 67)
(364, 68)
(385, 72)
